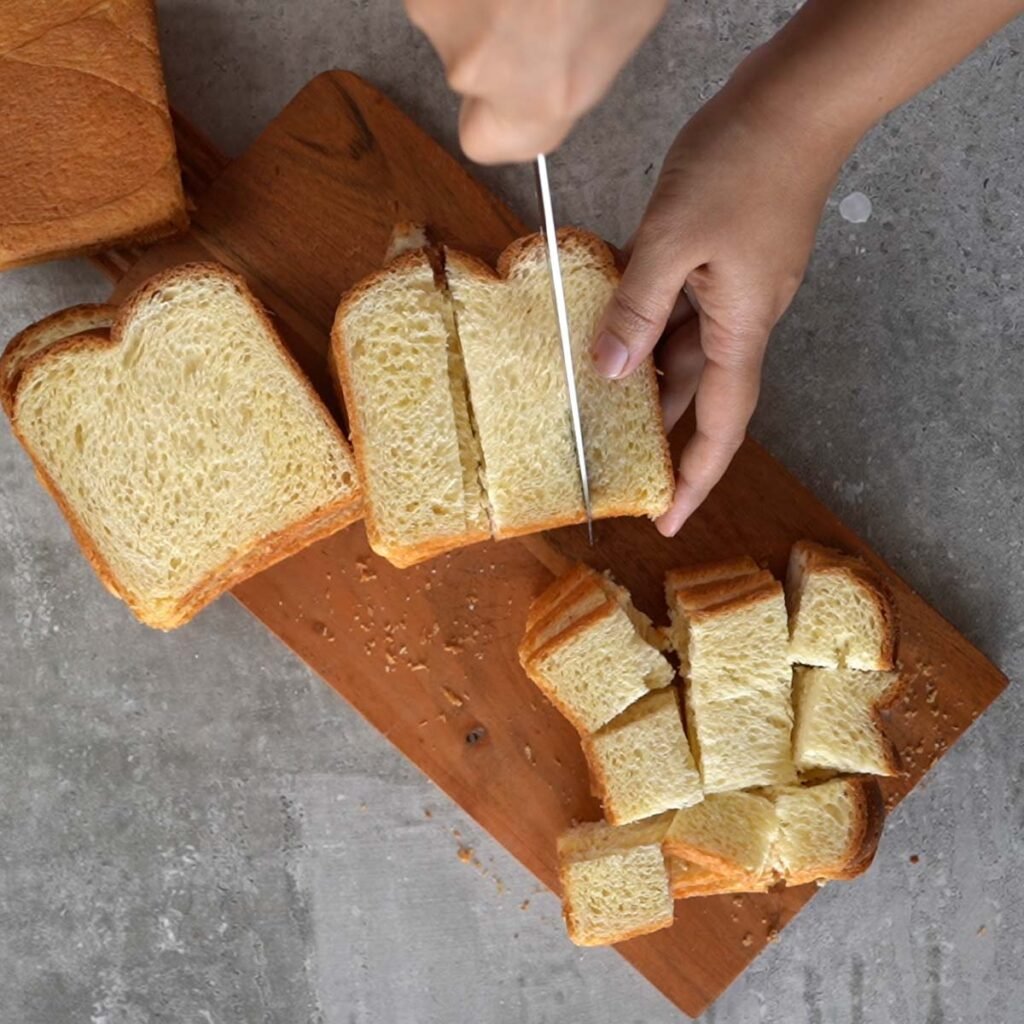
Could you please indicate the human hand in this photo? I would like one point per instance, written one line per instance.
(715, 262)
(528, 69)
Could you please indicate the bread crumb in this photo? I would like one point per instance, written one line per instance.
(427, 812)
(772, 935)
(525, 905)
(363, 807)
(914, 858)
(528, 751)
(418, 666)
(325, 631)
(475, 735)
(452, 648)
(747, 940)
(465, 854)
(982, 930)
(366, 574)
(737, 901)
(452, 697)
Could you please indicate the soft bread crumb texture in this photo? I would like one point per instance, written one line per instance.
(595, 669)
(405, 390)
(640, 763)
(731, 833)
(838, 726)
(186, 443)
(509, 338)
(614, 882)
(840, 614)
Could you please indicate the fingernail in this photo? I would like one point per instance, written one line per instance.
(610, 356)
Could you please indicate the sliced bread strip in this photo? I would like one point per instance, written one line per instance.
(508, 333)
(728, 833)
(598, 666)
(827, 831)
(841, 614)
(687, 880)
(95, 319)
(640, 762)
(706, 572)
(396, 356)
(839, 726)
(186, 449)
(614, 881)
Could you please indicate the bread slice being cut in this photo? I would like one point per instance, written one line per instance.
(96, 319)
(729, 833)
(614, 881)
(827, 831)
(597, 667)
(838, 720)
(640, 762)
(186, 449)
(508, 333)
(397, 358)
(840, 612)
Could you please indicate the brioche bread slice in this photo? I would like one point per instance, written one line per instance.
(396, 356)
(509, 337)
(729, 833)
(706, 572)
(687, 880)
(841, 614)
(740, 646)
(186, 449)
(96, 319)
(741, 742)
(838, 722)
(640, 762)
(614, 881)
(575, 594)
(686, 602)
(597, 667)
(827, 831)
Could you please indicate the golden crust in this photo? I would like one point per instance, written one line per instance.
(91, 318)
(322, 522)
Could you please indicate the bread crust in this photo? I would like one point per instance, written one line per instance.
(553, 594)
(405, 555)
(530, 249)
(708, 572)
(170, 613)
(86, 318)
(741, 602)
(809, 556)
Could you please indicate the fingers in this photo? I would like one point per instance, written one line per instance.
(646, 296)
(490, 135)
(681, 361)
(726, 397)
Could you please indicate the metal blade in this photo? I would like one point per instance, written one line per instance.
(551, 238)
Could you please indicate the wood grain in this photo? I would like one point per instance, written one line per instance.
(87, 158)
(427, 655)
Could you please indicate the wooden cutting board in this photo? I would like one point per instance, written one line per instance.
(427, 655)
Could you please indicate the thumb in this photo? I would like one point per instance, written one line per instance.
(637, 313)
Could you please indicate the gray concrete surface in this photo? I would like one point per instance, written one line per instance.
(193, 829)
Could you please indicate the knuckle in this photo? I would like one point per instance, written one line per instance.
(635, 315)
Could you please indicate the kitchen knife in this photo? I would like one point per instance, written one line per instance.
(562, 316)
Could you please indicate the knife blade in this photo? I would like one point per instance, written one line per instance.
(562, 316)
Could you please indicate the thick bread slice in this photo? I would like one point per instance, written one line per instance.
(838, 722)
(706, 572)
(740, 646)
(95, 319)
(741, 742)
(687, 880)
(561, 606)
(596, 668)
(685, 601)
(556, 592)
(841, 614)
(640, 762)
(507, 330)
(614, 881)
(397, 359)
(728, 833)
(187, 450)
(827, 831)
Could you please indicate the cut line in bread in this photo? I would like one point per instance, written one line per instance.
(186, 449)
(841, 614)
(838, 721)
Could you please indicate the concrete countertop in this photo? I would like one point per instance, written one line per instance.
(194, 829)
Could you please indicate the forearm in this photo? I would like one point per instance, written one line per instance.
(841, 65)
